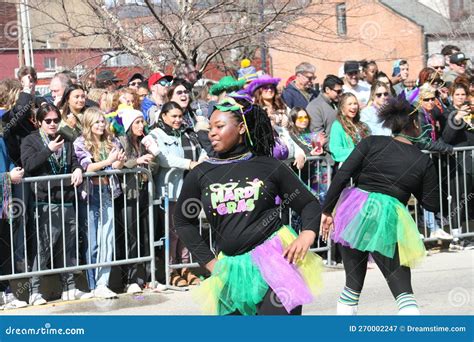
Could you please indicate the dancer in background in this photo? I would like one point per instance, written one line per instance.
(371, 217)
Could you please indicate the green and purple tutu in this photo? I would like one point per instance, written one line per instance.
(375, 222)
(239, 283)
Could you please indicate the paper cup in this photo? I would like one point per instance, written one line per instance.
(151, 145)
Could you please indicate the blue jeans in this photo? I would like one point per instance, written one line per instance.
(100, 235)
(430, 220)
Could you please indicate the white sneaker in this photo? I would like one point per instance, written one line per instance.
(11, 302)
(37, 299)
(441, 234)
(134, 288)
(346, 310)
(75, 294)
(409, 311)
(104, 292)
(159, 287)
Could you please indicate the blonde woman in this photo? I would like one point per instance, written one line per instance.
(98, 150)
(347, 130)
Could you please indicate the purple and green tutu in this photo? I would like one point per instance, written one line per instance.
(375, 222)
(239, 283)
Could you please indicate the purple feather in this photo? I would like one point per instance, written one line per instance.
(413, 95)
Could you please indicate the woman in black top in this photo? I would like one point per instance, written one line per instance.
(262, 267)
(46, 153)
(372, 216)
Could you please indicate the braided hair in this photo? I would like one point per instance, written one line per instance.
(259, 136)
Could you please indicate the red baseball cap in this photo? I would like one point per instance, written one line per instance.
(154, 78)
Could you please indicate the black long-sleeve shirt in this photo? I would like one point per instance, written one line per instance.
(385, 165)
(34, 156)
(18, 125)
(239, 202)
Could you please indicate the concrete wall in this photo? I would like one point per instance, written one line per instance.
(373, 32)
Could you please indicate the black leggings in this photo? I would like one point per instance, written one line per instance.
(355, 265)
(271, 306)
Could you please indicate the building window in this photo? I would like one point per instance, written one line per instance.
(341, 19)
(50, 63)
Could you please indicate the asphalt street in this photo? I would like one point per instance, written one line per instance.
(443, 285)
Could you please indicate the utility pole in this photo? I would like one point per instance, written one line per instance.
(26, 33)
(20, 37)
(263, 49)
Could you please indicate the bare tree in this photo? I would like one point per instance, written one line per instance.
(218, 31)
(206, 31)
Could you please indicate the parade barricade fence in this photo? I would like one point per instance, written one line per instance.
(455, 181)
(68, 253)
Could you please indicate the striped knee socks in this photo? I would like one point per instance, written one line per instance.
(407, 304)
(349, 297)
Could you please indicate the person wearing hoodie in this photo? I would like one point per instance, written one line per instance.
(180, 152)
(158, 83)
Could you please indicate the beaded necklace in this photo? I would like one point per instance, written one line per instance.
(102, 151)
(236, 159)
(57, 160)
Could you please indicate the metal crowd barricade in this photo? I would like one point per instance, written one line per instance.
(455, 174)
(204, 227)
(23, 209)
(316, 164)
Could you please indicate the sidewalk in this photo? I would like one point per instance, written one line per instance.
(443, 285)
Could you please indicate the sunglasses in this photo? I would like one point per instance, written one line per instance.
(133, 84)
(381, 94)
(182, 92)
(439, 67)
(302, 118)
(310, 78)
(164, 83)
(268, 87)
(338, 92)
(429, 99)
(56, 121)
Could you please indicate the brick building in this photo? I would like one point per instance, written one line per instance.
(383, 30)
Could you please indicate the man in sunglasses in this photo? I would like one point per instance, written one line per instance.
(322, 109)
(457, 66)
(437, 61)
(158, 83)
(135, 81)
(301, 90)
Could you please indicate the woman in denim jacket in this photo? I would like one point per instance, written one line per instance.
(180, 152)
